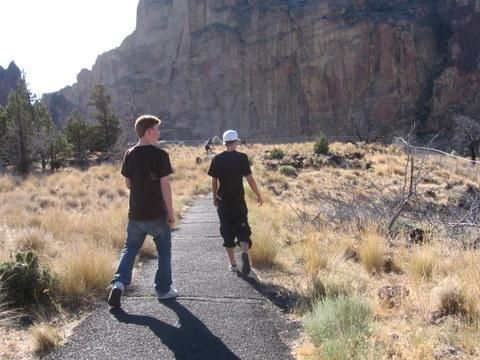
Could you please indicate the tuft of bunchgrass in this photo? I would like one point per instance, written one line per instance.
(45, 338)
(372, 251)
(265, 222)
(451, 298)
(314, 256)
(469, 280)
(32, 238)
(85, 271)
(423, 262)
(340, 326)
(265, 251)
(345, 279)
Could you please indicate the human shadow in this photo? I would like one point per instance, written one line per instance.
(191, 341)
(281, 297)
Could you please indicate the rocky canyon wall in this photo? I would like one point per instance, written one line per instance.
(280, 68)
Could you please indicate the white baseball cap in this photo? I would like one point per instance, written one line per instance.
(230, 135)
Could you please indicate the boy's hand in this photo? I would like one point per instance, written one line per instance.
(170, 218)
(259, 200)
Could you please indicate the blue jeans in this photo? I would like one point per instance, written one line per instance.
(136, 232)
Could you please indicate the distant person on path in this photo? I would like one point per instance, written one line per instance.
(209, 147)
(146, 169)
(227, 170)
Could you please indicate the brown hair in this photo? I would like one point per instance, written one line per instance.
(145, 122)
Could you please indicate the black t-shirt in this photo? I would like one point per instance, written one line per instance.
(229, 168)
(144, 165)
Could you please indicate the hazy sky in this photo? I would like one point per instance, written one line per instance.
(52, 40)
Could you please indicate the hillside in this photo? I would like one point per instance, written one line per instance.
(283, 68)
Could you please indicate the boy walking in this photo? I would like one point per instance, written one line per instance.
(227, 171)
(146, 169)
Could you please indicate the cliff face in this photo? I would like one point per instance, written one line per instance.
(8, 81)
(275, 68)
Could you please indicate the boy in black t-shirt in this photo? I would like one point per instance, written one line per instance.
(227, 171)
(146, 169)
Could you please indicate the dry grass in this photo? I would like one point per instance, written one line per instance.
(76, 221)
(300, 237)
(266, 232)
(468, 278)
(45, 338)
(311, 253)
(372, 251)
(85, 270)
(423, 262)
(316, 255)
(451, 298)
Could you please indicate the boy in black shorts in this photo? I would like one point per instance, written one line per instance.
(227, 171)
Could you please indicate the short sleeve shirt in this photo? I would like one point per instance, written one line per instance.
(144, 166)
(229, 167)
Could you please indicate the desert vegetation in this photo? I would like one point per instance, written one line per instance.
(375, 246)
(60, 238)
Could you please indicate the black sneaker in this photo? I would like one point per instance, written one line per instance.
(246, 264)
(115, 295)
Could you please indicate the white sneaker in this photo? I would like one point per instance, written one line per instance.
(233, 268)
(170, 294)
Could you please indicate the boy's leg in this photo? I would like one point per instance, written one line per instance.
(243, 232)
(231, 255)
(163, 241)
(135, 238)
(226, 232)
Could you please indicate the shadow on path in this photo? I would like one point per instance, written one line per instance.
(192, 340)
(278, 295)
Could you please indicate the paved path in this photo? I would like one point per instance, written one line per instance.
(219, 315)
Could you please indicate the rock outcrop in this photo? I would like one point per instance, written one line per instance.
(8, 81)
(280, 68)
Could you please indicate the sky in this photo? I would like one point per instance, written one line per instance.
(52, 40)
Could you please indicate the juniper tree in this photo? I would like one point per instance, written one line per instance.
(467, 135)
(104, 134)
(50, 144)
(78, 133)
(3, 131)
(3, 122)
(18, 145)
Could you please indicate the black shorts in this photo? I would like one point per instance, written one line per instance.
(234, 223)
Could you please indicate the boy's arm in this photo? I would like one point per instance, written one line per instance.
(167, 198)
(128, 184)
(214, 190)
(253, 186)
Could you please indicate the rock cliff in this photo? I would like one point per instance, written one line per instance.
(8, 81)
(279, 68)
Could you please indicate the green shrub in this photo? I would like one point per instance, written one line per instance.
(24, 281)
(321, 145)
(277, 153)
(287, 170)
(340, 326)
